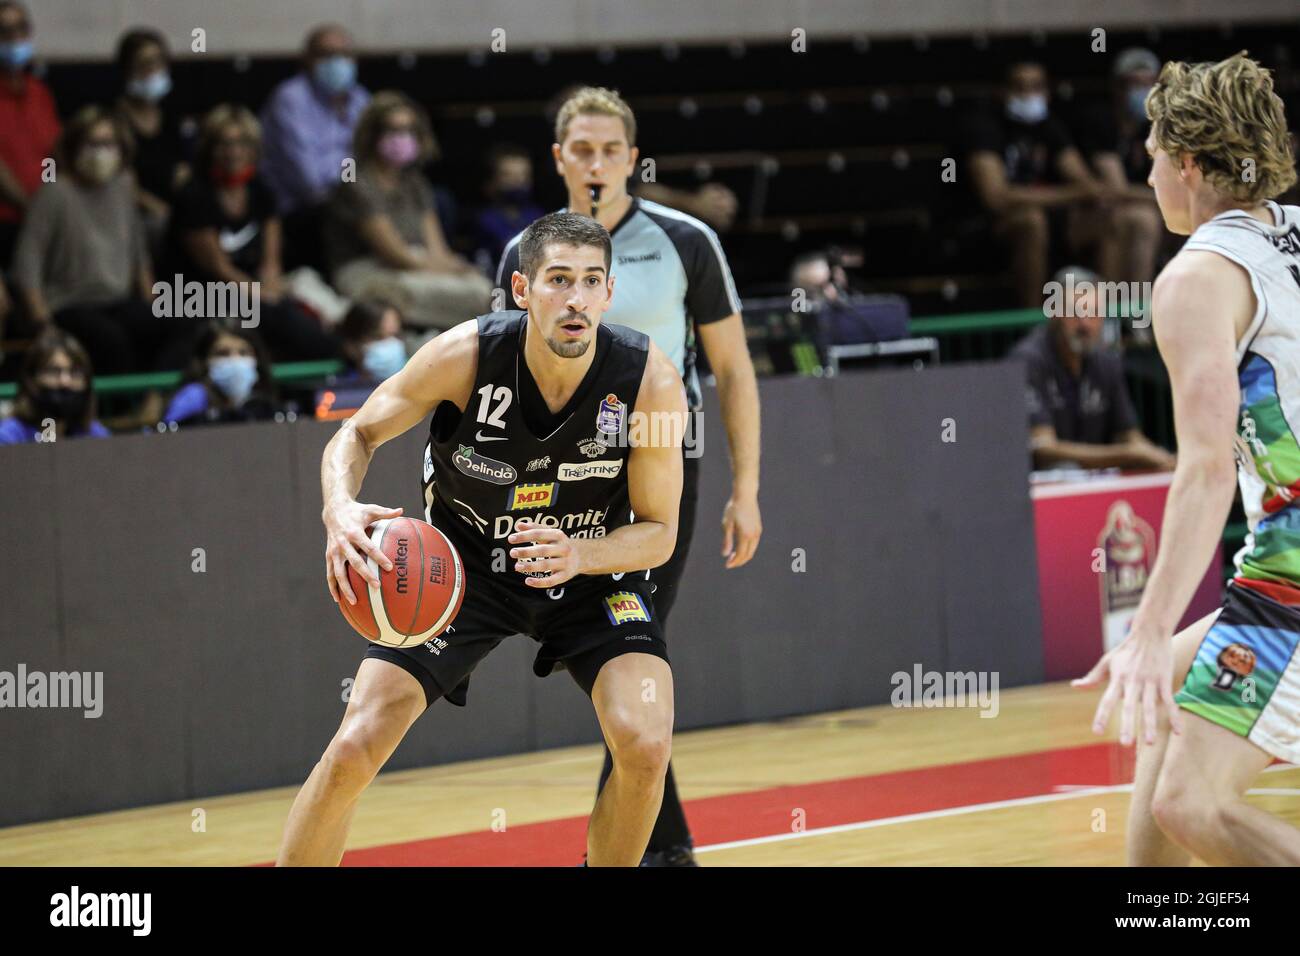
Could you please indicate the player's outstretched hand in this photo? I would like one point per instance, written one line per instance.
(742, 526)
(538, 549)
(346, 542)
(1140, 672)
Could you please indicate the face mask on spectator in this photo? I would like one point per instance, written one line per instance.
(229, 178)
(16, 54)
(1137, 102)
(1031, 108)
(384, 358)
(336, 74)
(400, 149)
(150, 88)
(61, 404)
(234, 375)
(99, 164)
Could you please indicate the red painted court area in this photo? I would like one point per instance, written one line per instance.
(769, 812)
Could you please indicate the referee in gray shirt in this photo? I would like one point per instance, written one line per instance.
(674, 284)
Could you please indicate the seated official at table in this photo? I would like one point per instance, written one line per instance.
(1080, 413)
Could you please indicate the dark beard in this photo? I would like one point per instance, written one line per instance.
(569, 349)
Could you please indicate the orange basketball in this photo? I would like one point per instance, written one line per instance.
(419, 598)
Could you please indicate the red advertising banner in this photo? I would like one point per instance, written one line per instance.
(1097, 541)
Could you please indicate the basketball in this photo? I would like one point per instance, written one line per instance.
(419, 598)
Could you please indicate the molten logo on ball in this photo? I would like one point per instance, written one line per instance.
(417, 600)
(399, 565)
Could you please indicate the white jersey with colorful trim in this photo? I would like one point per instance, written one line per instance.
(1268, 369)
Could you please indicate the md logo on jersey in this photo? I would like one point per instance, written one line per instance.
(480, 466)
(625, 606)
(531, 497)
(609, 417)
(577, 471)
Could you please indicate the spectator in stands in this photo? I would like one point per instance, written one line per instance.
(1113, 136)
(821, 281)
(510, 208)
(227, 230)
(1025, 166)
(29, 125)
(1080, 412)
(56, 393)
(308, 124)
(228, 380)
(81, 260)
(159, 168)
(382, 232)
(373, 347)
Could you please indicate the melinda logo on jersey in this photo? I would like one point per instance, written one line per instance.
(480, 466)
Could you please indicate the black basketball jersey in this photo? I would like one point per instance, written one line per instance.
(485, 468)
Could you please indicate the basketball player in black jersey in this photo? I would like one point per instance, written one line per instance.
(533, 447)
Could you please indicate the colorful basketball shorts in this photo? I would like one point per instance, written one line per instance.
(1246, 674)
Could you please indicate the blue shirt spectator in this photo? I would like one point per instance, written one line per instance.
(308, 122)
(56, 395)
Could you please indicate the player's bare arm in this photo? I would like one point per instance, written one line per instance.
(728, 353)
(654, 478)
(442, 370)
(1202, 304)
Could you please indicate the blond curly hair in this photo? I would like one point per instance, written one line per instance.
(597, 100)
(1226, 116)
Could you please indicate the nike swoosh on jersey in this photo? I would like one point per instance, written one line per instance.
(479, 436)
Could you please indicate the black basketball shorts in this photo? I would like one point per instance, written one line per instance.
(579, 627)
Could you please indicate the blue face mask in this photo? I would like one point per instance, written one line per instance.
(384, 358)
(1137, 102)
(1028, 109)
(336, 74)
(151, 88)
(234, 375)
(16, 54)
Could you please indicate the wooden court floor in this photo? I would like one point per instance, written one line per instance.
(872, 786)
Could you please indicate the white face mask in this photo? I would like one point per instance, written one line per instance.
(234, 375)
(1030, 108)
(99, 163)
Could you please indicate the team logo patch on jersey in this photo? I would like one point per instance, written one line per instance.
(539, 463)
(609, 419)
(592, 447)
(625, 606)
(428, 462)
(531, 497)
(576, 471)
(480, 466)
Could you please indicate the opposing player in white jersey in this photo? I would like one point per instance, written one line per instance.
(1226, 314)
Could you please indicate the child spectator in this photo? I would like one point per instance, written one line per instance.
(56, 394)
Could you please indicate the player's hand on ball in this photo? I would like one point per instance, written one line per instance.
(549, 550)
(1140, 671)
(347, 542)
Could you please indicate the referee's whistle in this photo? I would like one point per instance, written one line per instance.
(595, 198)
